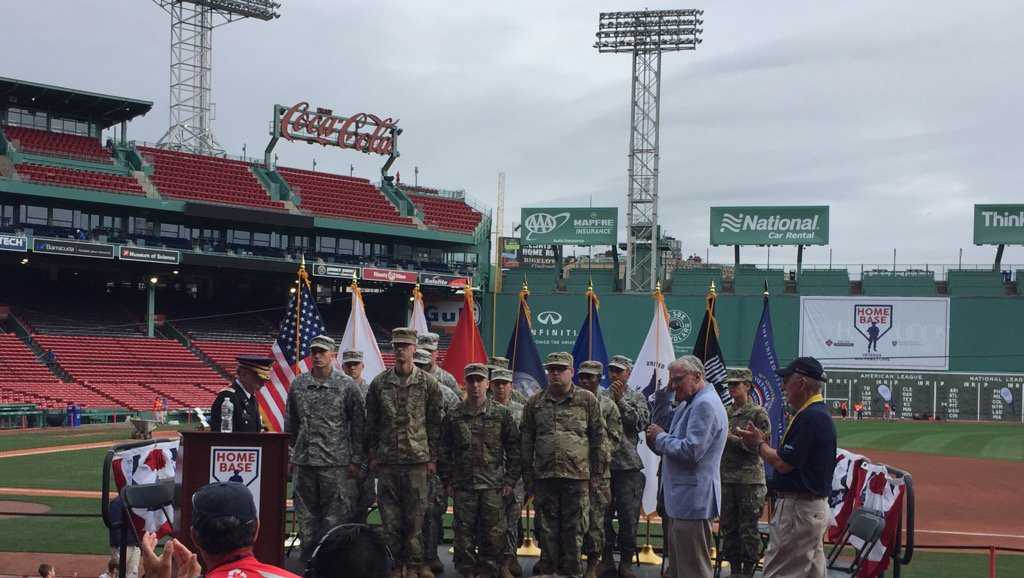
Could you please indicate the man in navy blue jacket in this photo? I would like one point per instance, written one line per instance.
(691, 452)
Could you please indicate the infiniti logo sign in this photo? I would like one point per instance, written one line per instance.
(549, 318)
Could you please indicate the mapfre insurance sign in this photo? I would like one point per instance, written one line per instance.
(876, 332)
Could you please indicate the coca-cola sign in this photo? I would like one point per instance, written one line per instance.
(389, 275)
(363, 132)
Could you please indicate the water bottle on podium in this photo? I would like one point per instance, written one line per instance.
(227, 416)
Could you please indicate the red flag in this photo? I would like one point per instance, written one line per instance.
(467, 346)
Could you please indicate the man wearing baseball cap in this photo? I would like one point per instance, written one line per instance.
(224, 528)
(325, 422)
(804, 465)
(403, 422)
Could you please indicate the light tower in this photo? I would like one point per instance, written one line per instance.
(192, 24)
(645, 34)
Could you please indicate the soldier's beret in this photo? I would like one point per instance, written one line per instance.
(739, 376)
(422, 357)
(259, 364)
(428, 341)
(477, 369)
(621, 362)
(403, 336)
(558, 358)
(323, 342)
(591, 367)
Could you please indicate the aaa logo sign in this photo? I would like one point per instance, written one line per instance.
(242, 465)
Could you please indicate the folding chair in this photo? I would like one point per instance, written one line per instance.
(867, 526)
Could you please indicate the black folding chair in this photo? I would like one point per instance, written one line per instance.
(867, 526)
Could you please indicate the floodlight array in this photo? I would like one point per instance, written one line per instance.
(261, 9)
(649, 31)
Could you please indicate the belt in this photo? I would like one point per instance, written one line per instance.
(798, 496)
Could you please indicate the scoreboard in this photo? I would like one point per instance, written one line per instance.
(916, 394)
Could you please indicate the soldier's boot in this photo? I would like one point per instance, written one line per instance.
(626, 566)
(591, 571)
(505, 571)
(514, 567)
(424, 572)
(436, 566)
(607, 565)
(398, 571)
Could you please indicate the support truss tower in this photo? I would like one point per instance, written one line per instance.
(191, 107)
(645, 34)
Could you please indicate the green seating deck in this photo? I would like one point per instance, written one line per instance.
(750, 281)
(975, 282)
(695, 281)
(824, 282)
(910, 283)
(539, 280)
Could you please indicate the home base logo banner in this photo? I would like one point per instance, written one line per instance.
(242, 465)
(876, 332)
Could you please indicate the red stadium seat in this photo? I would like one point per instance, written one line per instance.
(57, 144)
(79, 179)
(447, 214)
(342, 197)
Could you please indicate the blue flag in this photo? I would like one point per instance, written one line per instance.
(590, 342)
(767, 389)
(528, 374)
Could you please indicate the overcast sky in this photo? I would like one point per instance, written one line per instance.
(899, 115)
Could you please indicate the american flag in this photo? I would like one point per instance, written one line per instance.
(300, 325)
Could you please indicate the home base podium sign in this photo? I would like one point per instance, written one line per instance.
(257, 460)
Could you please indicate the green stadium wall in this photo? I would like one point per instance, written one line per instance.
(984, 331)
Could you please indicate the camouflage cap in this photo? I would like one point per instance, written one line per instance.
(422, 357)
(428, 341)
(739, 376)
(501, 374)
(352, 356)
(501, 362)
(621, 362)
(477, 369)
(403, 336)
(323, 342)
(591, 367)
(563, 358)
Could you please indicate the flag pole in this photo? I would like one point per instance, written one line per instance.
(355, 295)
(646, 554)
(298, 309)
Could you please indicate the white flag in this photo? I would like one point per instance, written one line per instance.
(359, 336)
(650, 372)
(419, 318)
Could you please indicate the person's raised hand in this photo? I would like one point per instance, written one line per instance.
(186, 562)
(652, 433)
(156, 567)
(750, 435)
(618, 389)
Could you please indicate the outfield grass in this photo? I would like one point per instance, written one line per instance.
(64, 535)
(51, 437)
(73, 470)
(999, 441)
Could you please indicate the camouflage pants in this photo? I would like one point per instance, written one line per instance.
(320, 503)
(513, 521)
(433, 521)
(361, 495)
(741, 508)
(402, 497)
(479, 531)
(627, 494)
(600, 497)
(563, 510)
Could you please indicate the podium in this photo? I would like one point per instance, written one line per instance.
(258, 460)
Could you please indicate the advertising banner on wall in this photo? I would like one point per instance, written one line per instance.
(17, 243)
(876, 332)
(769, 225)
(73, 248)
(999, 224)
(570, 226)
(390, 275)
(509, 249)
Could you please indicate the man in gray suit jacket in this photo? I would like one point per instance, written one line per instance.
(691, 452)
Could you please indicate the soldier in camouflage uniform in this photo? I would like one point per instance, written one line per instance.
(743, 484)
(589, 377)
(563, 446)
(501, 392)
(352, 365)
(502, 363)
(325, 423)
(480, 465)
(433, 526)
(403, 423)
(628, 478)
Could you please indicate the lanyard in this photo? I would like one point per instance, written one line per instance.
(813, 398)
